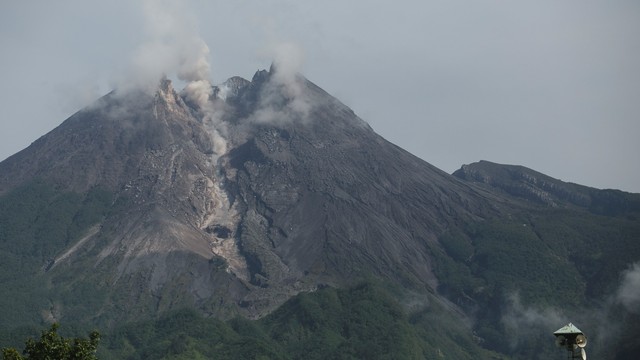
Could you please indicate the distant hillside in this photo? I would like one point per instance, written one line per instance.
(534, 186)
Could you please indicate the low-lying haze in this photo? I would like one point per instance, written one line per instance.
(553, 86)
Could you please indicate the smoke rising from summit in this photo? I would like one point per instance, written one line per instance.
(172, 48)
(285, 81)
(288, 61)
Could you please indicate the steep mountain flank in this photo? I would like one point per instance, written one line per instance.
(324, 196)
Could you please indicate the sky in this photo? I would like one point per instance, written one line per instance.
(553, 85)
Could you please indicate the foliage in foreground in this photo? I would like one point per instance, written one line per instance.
(53, 346)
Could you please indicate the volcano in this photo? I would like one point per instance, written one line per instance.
(308, 194)
(146, 202)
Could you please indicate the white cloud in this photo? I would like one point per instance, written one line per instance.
(173, 47)
(629, 291)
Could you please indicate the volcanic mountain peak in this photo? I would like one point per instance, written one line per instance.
(167, 96)
(231, 87)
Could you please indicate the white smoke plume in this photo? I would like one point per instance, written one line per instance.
(520, 320)
(173, 48)
(629, 291)
(519, 316)
(288, 60)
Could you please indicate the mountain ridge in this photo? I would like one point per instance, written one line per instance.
(528, 184)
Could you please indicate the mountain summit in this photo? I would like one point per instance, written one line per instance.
(234, 202)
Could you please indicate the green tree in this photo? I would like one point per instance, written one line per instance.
(52, 346)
